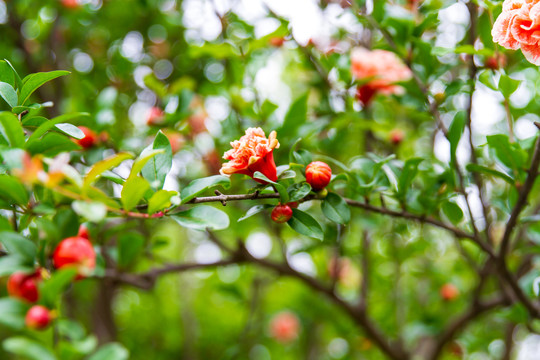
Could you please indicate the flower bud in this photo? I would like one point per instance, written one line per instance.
(90, 138)
(281, 213)
(449, 292)
(318, 175)
(38, 317)
(75, 252)
(24, 286)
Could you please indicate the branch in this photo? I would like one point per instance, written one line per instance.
(474, 311)
(522, 200)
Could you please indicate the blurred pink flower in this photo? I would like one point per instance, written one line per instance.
(380, 69)
(518, 26)
(285, 327)
(253, 152)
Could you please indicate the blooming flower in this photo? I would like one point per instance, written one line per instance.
(380, 69)
(253, 152)
(518, 26)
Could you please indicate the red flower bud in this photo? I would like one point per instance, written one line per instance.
(396, 136)
(90, 138)
(281, 213)
(318, 175)
(277, 41)
(449, 292)
(24, 286)
(285, 327)
(38, 317)
(83, 232)
(155, 116)
(365, 94)
(75, 252)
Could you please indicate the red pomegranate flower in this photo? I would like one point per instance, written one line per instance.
(381, 69)
(253, 152)
(518, 26)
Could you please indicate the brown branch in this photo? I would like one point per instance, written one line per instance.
(475, 310)
(522, 200)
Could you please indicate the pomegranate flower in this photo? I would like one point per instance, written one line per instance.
(518, 26)
(380, 69)
(253, 152)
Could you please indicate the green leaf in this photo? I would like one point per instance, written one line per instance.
(12, 263)
(298, 191)
(283, 195)
(452, 211)
(129, 246)
(33, 81)
(8, 93)
(199, 186)
(454, 134)
(111, 351)
(487, 171)
(18, 81)
(486, 78)
(296, 116)
(18, 245)
(11, 129)
(336, 209)
(6, 74)
(507, 85)
(142, 160)
(255, 210)
(70, 130)
(103, 165)
(510, 154)
(51, 145)
(133, 191)
(156, 170)
(53, 287)
(305, 224)
(160, 200)
(12, 189)
(202, 217)
(27, 348)
(13, 313)
(410, 169)
(45, 125)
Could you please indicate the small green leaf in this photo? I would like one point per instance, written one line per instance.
(33, 81)
(111, 351)
(51, 145)
(103, 165)
(45, 125)
(8, 93)
(18, 81)
(141, 161)
(487, 171)
(12, 190)
(52, 288)
(70, 130)
(13, 313)
(27, 348)
(305, 224)
(133, 191)
(18, 245)
(11, 129)
(507, 85)
(283, 195)
(199, 186)
(160, 200)
(202, 217)
(336, 209)
(452, 211)
(156, 170)
(454, 134)
(298, 191)
(255, 210)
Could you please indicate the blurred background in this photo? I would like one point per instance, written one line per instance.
(203, 71)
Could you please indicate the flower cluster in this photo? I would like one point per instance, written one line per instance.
(252, 153)
(518, 26)
(381, 70)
